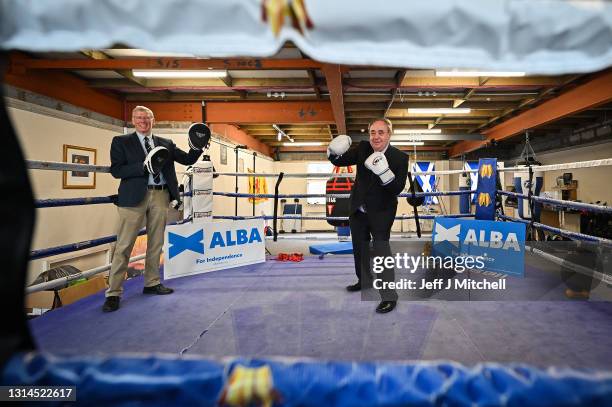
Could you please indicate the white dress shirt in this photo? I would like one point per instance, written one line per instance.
(141, 137)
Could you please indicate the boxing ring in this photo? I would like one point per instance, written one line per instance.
(317, 343)
(280, 333)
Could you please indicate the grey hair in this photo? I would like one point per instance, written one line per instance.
(384, 120)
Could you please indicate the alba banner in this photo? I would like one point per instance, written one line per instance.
(194, 248)
(500, 244)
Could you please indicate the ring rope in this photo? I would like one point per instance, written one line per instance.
(61, 166)
(562, 203)
(58, 282)
(67, 248)
(566, 166)
(562, 232)
(568, 264)
(53, 203)
(402, 195)
(300, 217)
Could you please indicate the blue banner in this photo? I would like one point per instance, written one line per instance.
(427, 182)
(486, 189)
(500, 244)
(469, 166)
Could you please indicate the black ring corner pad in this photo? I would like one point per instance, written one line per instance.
(414, 207)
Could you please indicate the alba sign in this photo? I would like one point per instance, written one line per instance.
(202, 247)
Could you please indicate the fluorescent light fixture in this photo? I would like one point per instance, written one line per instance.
(407, 143)
(460, 110)
(417, 131)
(471, 74)
(303, 144)
(173, 73)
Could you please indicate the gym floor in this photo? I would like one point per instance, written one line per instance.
(302, 310)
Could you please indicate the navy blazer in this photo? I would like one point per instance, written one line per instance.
(127, 158)
(368, 189)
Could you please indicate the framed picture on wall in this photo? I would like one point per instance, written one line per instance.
(223, 151)
(79, 179)
(240, 165)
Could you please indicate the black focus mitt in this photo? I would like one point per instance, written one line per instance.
(155, 160)
(199, 136)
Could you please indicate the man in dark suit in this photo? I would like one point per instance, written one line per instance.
(381, 175)
(145, 165)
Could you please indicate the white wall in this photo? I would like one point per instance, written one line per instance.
(226, 205)
(298, 186)
(42, 138)
(594, 184)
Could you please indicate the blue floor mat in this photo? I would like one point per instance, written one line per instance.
(332, 248)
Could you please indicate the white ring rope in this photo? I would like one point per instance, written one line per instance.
(566, 166)
(568, 264)
(60, 166)
(50, 285)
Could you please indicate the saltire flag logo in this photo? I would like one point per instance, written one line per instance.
(178, 244)
(426, 181)
(469, 166)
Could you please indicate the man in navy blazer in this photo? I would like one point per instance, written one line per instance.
(144, 196)
(382, 171)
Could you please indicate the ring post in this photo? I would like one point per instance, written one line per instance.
(275, 218)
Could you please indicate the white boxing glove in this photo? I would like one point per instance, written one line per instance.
(339, 145)
(377, 163)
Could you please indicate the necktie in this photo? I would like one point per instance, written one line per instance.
(156, 177)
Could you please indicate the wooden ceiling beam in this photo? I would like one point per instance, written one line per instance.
(215, 83)
(126, 73)
(169, 63)
(583, 97)
(269, 112)
(333, 77)
(180, 96)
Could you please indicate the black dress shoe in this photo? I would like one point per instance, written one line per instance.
(111, 304)
(157, 289)
(354, 287)
(386, 306)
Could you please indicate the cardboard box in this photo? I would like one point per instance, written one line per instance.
(74, 293)
(40, 299)
(54, 299)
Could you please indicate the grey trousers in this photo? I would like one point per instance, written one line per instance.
(152, 213)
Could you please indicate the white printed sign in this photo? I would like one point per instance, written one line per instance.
(194, 248)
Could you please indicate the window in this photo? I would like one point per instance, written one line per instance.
(317, 185)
